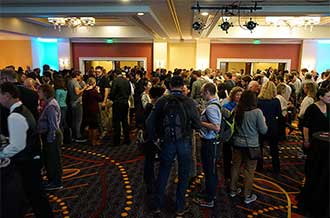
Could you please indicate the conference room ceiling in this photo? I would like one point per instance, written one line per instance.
(162, 19)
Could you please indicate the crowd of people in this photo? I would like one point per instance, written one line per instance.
(176, 113)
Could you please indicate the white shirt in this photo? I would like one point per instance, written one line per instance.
(17, 127)
(284, 104)
(304, 105)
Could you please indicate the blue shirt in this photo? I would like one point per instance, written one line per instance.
(211, 114)
(230, 105)
(60, 95)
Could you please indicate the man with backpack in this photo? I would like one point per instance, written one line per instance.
(173, 118)
(210, 121)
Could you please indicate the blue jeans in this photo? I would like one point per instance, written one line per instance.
(209, 156)
(77, 113)
(182, 150)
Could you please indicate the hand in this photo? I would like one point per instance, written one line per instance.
(307, 144)
(103, 104)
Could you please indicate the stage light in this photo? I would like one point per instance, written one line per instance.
(250, 25)
(225, 26)
(197, 25)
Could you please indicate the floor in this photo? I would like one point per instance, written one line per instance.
(107, 182)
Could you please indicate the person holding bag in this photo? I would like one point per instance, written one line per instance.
(250, 121)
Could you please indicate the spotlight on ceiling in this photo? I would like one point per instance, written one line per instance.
(250, 25)
(197, 25)
(225, 26)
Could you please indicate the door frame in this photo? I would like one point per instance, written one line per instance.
(254, 60)
(82, 59)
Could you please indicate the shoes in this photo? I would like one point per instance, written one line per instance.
(234, 193)
(250, 199)
(180, 214)
(81, 140)
(203, 203)
(52, 186)
(203, 195)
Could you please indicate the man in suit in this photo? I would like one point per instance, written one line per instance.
(120, 91)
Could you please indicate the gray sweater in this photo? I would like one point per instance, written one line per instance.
(248, 134)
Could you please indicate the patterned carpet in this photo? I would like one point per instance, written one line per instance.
(107, 182)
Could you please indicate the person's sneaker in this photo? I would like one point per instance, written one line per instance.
(234, 193)
(81, 140)
(250, 199)
(181, 213)
(53, 187)
(203, 203)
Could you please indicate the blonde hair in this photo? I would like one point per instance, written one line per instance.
(281, 88)
(268, 91)
(311, 90)
(91, 81)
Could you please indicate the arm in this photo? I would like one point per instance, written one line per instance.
(195, 118)
(306, 137)
(52, 119)
(261, 122)
(213, 118)
(106, 94)
(17, 127)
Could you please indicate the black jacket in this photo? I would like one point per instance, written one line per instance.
(120, 90)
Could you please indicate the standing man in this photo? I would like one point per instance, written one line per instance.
(76, 87)
(210, 121)
(23, 149)
(120, 92)
(172, 119)
(103, 82)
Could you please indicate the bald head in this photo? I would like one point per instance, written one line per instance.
(254, 86)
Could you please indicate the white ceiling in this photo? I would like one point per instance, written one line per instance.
(163, 19)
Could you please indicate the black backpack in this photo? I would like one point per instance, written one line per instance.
(174, 119)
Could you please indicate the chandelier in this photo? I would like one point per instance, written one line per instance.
(293, 22)
(71, 22)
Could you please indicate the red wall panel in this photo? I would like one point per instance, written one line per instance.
(112, 50)
(265, 51)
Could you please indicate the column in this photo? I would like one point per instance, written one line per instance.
(202, 54)
(160, 55)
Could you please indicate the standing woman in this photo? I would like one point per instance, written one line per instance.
(60, 95)
(271, 108)
(234, 97)
(310, 92)
(317, 116)
(51, 135)
(250, 122)
(91, 98)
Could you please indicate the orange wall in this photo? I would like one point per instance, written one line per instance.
(112, 50)
(15, 52)
(266, 51)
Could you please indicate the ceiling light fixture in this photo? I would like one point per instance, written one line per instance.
(229, 10)
(71, 22)
(293, 22)
(226, 25)
(205, 13)
(250, 25)
(140, 14)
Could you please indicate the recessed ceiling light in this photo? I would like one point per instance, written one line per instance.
(205, 13)
(140, 13)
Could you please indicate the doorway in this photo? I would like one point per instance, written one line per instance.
(111, 63)
(250, 66)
